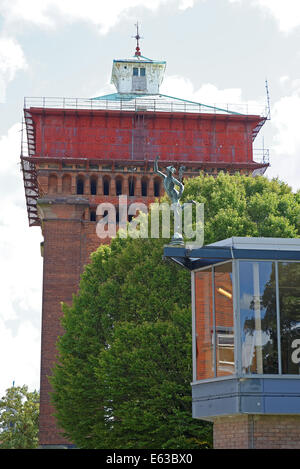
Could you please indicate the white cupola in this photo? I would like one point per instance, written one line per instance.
(137, 75)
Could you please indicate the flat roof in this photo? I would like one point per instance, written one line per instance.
(246, 242)
(235, 248)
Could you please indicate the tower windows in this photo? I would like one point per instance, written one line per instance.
(156, 187)
(139, 72)
(106, 184)
(79, 185)
(144, 187)
(119, 186)
(131, 186)
(93, 183)
(92, 215)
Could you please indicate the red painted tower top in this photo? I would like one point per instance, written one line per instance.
(134, 125)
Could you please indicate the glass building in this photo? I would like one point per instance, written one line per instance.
(245, 325)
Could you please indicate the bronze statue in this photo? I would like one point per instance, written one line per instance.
(169, 184)
(170, 181)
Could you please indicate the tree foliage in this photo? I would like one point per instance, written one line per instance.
(19, 414)
(124, 370)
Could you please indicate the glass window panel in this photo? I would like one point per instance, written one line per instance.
(142, 72)
(224, 320)
(204, 324)
(289, 301)
(135, 72)
(258, 317)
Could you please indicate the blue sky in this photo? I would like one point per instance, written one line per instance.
(217, 52)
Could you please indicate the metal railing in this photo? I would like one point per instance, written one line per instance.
(261, 155)
(160, 103)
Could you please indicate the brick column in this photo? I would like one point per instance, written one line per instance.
(59, 184)
(150, 187)
(257, 432)
(100, 185)
(87, 184)
(125, 186)
(73, 184)
(112, 189)
(62, 230)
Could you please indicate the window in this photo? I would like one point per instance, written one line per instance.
(224, 319)
(258, 317)
(131, 185)
(105, 186)
(139, 72)
(118, 186)
(289, 305)
(79, 185)
(156, 188)
(93, 215)
(93, 186)
(268, 319)
(144, 187)
(204, 324)
(214, 322)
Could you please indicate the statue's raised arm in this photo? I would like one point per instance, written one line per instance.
(156, 170)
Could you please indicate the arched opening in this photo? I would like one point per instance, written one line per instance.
(79, 185)
(144, 187)
(93, 215)
(93, 184)
(156, 188)
(66, 184)
(119, 186)
(52, 184)
(131, 186)
(106, 184)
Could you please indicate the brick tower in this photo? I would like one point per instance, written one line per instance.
(81, 152)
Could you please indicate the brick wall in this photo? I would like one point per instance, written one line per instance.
(257, 432)
(63, 241)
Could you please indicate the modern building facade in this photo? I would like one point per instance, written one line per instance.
(246, 340)
(82, 152)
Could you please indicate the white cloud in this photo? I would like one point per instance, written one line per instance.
(284, 141)
(12, 59)
(285, 118)
(20, 274)
(184, 4)
(209, 94)
(20, 356)
(286, 13)
(98, 12)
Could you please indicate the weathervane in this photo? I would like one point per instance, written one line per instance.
(137, 37)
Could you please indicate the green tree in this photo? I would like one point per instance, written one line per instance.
(124, 370)
(19, 414)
